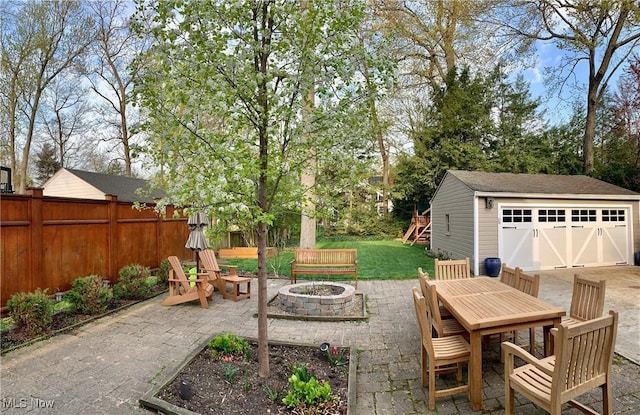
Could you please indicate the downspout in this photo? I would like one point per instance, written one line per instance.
(476, 248)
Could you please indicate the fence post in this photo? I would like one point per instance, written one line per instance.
(36, 275)
(113, 238)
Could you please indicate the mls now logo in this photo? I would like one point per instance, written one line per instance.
(27, 403)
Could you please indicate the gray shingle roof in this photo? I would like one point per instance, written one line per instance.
(125, 188)
(537, 183)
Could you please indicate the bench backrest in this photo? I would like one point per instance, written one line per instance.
(325, 256)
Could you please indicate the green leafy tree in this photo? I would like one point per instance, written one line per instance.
(600, 35)
(223, 93)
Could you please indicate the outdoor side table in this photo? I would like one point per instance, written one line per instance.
(236, 281)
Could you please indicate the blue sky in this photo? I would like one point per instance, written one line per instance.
(558, 104)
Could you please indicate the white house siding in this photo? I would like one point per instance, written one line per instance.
(455, 199)
(487, 234)
(66, 184)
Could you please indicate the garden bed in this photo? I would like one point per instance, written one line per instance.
(211, 391)
(64, 321)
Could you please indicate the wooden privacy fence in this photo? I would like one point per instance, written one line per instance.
(47, 242)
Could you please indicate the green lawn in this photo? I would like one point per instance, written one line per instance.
(380, 259)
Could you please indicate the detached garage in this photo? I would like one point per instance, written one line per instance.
(534, 221)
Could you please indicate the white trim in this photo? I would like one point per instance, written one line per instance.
(557, 196)
(476, 236)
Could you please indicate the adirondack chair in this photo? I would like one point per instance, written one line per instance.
(439, 355)
(452, 269)
(581, 362)
(180, 289)
(209, 264)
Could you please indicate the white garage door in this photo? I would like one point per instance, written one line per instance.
(562, 237)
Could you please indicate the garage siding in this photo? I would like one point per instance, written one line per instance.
(455, 199)
(487, 232)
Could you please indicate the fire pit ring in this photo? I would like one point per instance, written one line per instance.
(307, 298)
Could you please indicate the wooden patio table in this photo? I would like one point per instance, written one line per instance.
(486, 306)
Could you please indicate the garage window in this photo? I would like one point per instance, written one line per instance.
(552, 215)
(583, 215)
(516, 215)
(613, 215)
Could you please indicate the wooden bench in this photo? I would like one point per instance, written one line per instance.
(324, 262)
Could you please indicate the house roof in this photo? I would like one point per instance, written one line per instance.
(125, 188)
(546, 184)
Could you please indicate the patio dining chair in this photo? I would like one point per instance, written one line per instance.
(528, 284)
(439, 355)
(423, 277)
(452, 269)
(441, 327)
(582, 358)
(509, 276)
(587, 300)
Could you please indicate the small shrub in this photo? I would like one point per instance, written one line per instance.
(31, 311)
(229, 345)
(88, 295)
(132, 283)
(305, 389)
(162, 274)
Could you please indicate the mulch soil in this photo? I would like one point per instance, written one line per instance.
(209, 390)
(15, 337)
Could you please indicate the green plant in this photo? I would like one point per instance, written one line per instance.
(230, 372)
(132, 283)
(31, 311)
(336, 356)
(229, 345)
(305, 389)
(163, 271)
(246, 384)
(88, 295)
(273, 394)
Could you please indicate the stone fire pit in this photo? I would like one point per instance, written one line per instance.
(317, 298)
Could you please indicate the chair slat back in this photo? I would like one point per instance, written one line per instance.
(587, 300)
(433, 307)
(584, 353)
(209, 263)
(423, 277)
(176, 266)
(509, 276)
(421, 307)
(528, 284)
(452, 269)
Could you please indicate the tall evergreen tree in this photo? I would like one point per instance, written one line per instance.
(46, 163)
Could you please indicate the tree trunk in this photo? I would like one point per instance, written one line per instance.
(589, 131)
(263, 338)
(308, 178)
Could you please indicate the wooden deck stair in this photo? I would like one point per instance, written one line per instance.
(420, 229)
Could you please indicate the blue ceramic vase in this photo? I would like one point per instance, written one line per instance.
(492, 266)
